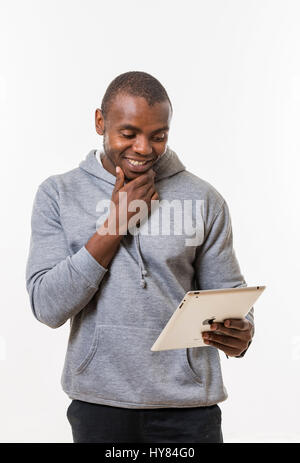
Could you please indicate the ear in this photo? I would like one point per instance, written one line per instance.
(99, 122)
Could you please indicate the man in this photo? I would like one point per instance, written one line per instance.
(119, 284)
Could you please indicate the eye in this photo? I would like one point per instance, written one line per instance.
(156, 139)
(127, 136)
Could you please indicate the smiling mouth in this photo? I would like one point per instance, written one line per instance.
(137, 163)
(138, 166)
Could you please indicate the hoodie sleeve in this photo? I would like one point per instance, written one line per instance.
(59, 285)
(216, 265)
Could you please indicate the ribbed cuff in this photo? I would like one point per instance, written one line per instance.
(88, 266)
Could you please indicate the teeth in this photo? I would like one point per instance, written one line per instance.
(136, 163)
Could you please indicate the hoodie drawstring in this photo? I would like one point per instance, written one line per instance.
(141, 263)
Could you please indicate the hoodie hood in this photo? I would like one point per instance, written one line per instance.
(167, 165)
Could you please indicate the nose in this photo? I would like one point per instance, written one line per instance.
(142, 146)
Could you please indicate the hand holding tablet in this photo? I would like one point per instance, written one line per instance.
(198, 310)
(232, 337)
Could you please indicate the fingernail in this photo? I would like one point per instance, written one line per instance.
(213, 327)
(227, 323)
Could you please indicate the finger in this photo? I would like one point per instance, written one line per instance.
(153, 196)
(139, 181)
(228, 350)
(150, 192)
(237, 323)
(223, 339)
(145, 191)
(119, 179)
(147, 177)
(228, 331)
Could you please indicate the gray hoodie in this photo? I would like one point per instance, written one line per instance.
(116, 314)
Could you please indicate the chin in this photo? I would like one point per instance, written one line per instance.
(131, 175)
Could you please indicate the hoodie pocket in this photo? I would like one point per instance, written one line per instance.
(91, 352)
(119, 366)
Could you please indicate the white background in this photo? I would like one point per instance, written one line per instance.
(232, 71)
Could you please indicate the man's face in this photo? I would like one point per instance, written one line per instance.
(133, 130)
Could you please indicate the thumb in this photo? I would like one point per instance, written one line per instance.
(119, 179)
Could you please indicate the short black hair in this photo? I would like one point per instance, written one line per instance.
(135, 83)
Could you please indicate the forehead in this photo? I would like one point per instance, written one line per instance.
(134, 110)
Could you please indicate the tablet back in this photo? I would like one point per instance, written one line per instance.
(198, 309)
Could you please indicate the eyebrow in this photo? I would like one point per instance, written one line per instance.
(132, 127)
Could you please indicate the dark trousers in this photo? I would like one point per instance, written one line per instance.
(93, 423)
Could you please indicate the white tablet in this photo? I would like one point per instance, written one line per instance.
(199, 309)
